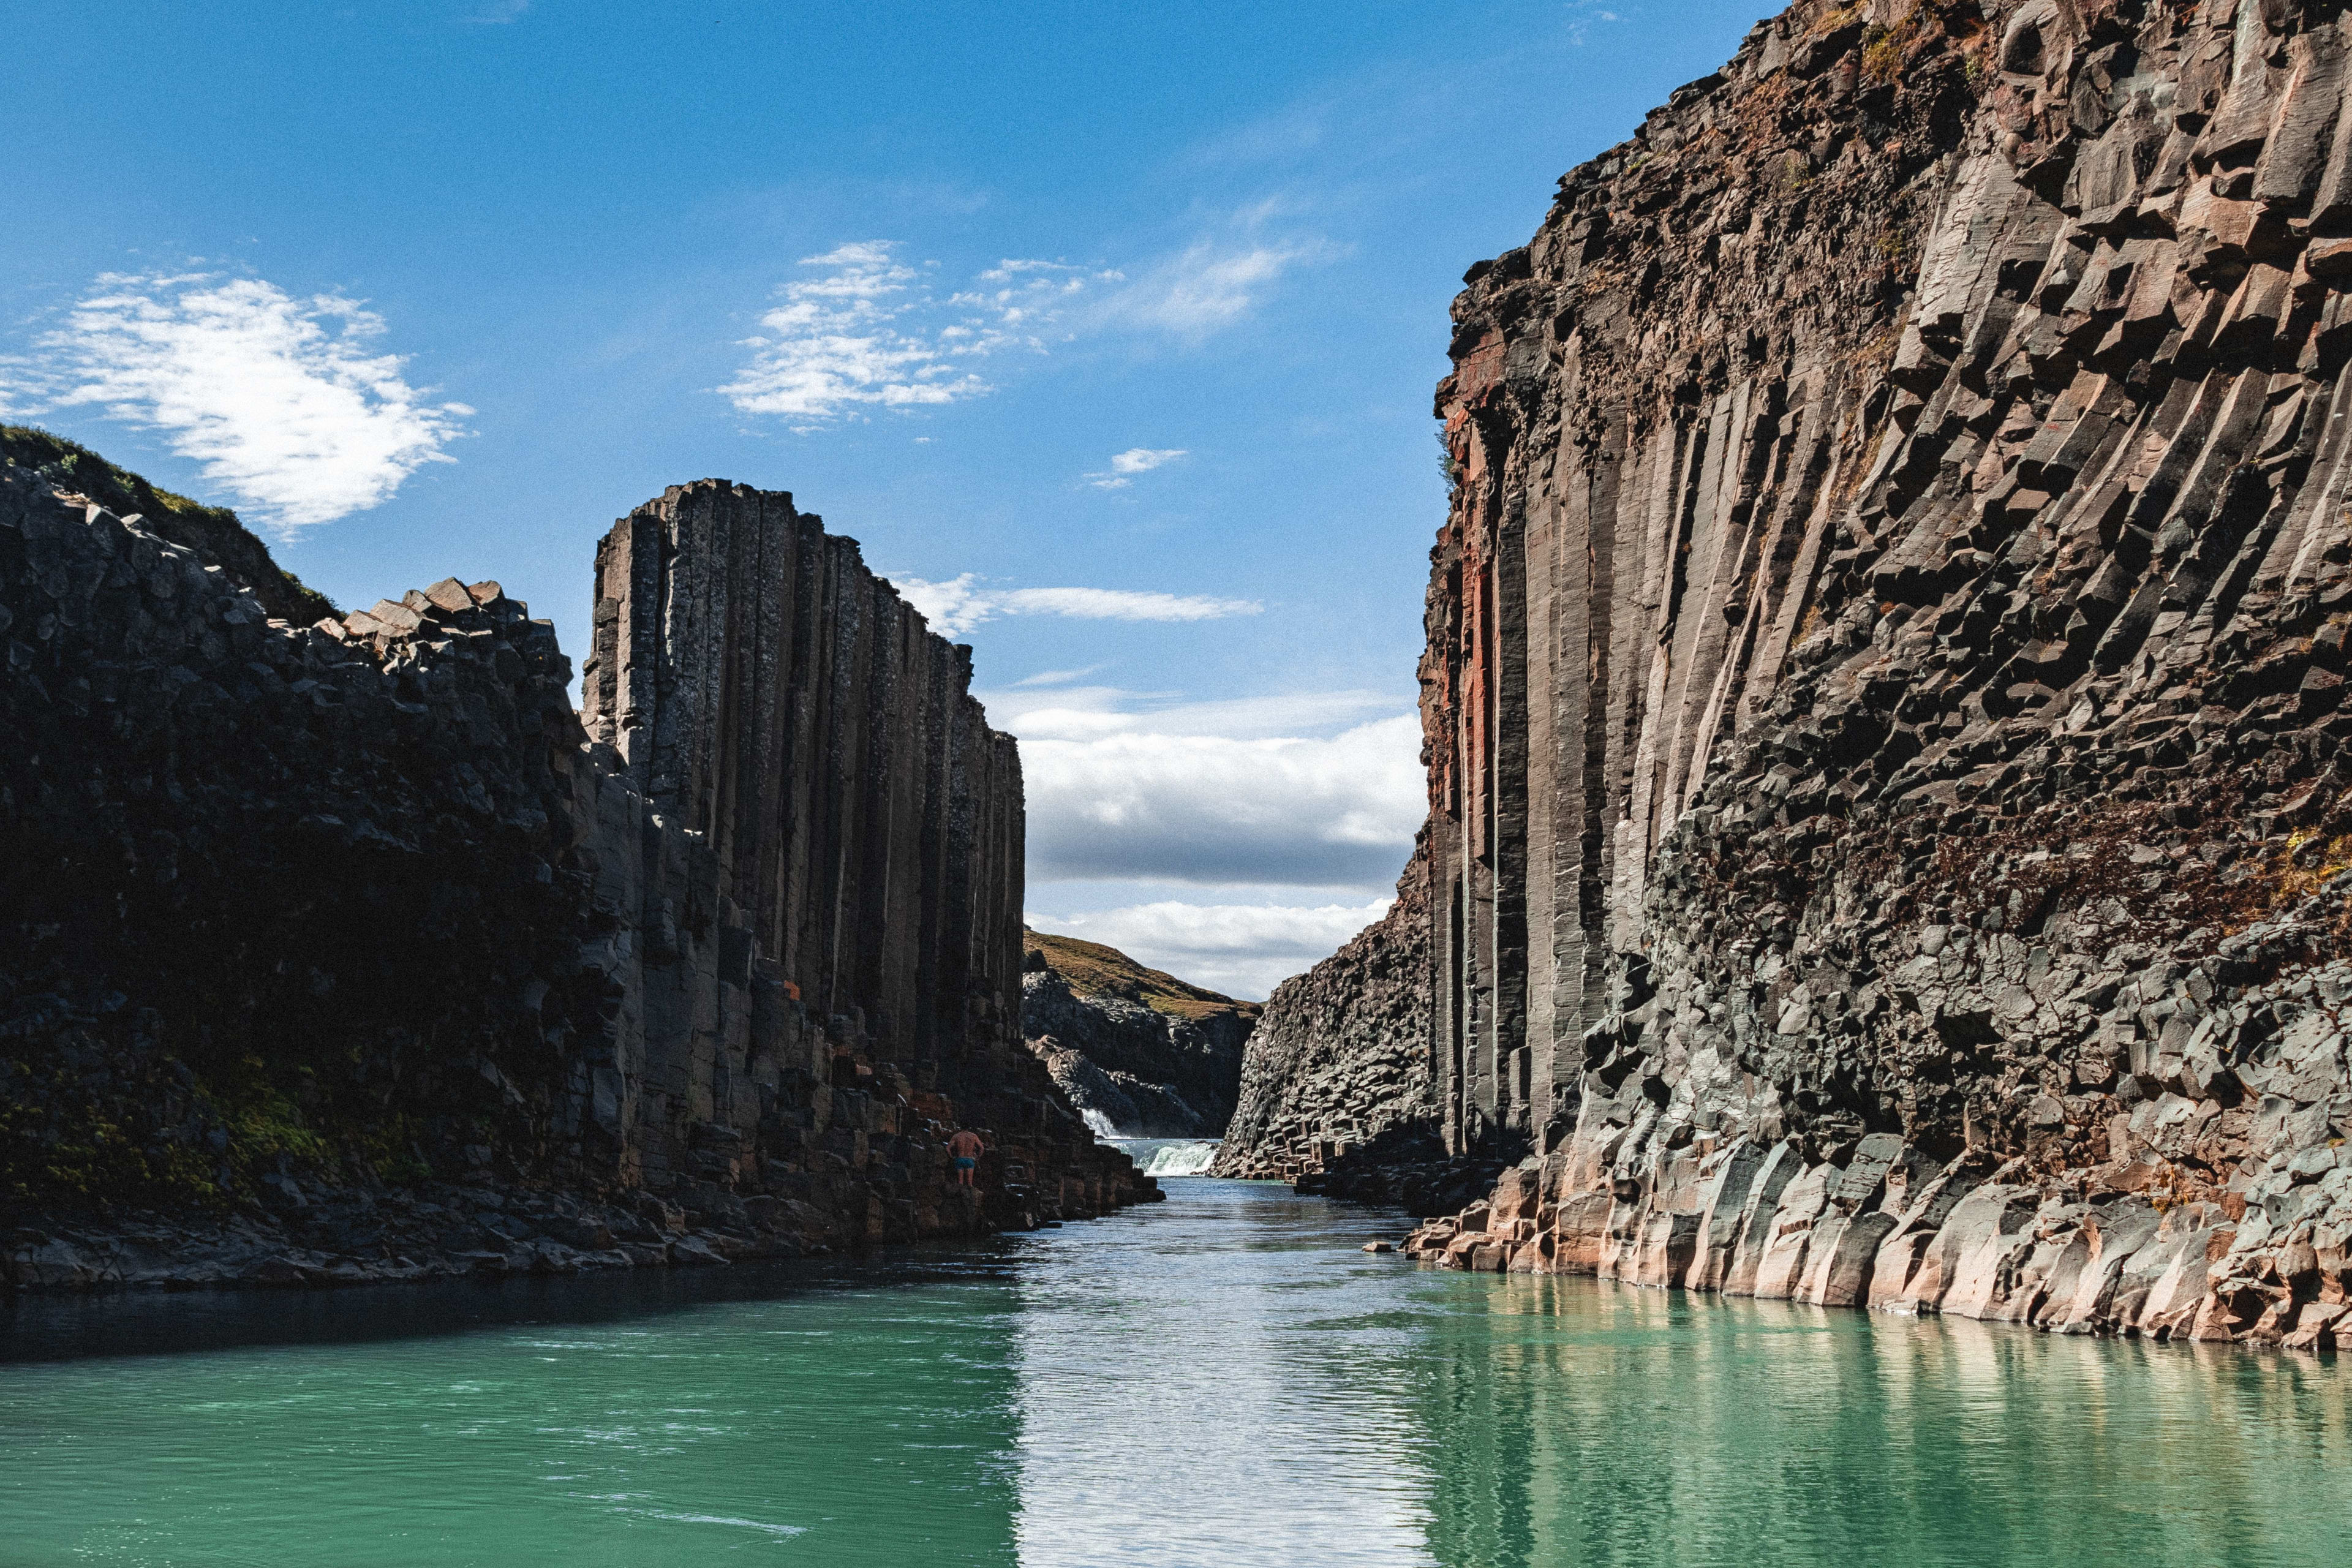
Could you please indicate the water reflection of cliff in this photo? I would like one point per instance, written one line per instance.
(1575, 1422)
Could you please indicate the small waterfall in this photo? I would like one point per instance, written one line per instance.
(1168, 1156)
(1181, 1159)
(1100, 1125)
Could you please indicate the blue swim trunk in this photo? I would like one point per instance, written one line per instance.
(966, 1164)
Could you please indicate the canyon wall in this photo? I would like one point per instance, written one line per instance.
(1138, 1050)
(840, 828)
(1883, 676)
(341, 951)
(1340, 1059)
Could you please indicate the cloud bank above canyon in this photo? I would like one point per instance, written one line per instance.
(1272, 828)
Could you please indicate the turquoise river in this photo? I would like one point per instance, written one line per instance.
(1221, 1380)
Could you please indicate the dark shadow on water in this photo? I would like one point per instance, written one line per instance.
(174, 1322)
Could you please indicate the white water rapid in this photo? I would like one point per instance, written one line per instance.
(1166, 1156)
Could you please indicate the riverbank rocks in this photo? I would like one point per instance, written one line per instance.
(304, 921)
(1883, 676)
(2145, 1243)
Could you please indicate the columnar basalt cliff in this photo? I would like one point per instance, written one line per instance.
(340, 952)
(841, 827)
(1884, 679)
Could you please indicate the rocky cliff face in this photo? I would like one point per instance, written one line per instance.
(341, 951)
(213, 532)
(1340, 1061)
(1884, 679)
(1145, 1053)
(841, 831)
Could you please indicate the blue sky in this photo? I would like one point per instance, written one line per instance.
(1110, 331)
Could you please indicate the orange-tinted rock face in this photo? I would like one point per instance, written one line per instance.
(1884, 671)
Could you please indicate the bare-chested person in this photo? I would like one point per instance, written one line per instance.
(966, 1148)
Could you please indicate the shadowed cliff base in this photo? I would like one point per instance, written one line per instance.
(1883, 678)
(341, 951)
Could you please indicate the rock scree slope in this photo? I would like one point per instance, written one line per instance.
(1152, 1056)
(345, 950)
(1339, 1060)
(1884, 682)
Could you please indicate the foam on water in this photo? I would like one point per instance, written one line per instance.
(1168, 1156)
(1181, 1159)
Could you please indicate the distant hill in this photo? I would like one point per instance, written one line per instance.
(1150, 1055)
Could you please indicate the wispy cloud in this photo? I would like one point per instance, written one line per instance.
(1581, 15)
(1208, 285)
(956, 606)
(1125, 466)
(1243, 950)
(278, 399)
(497, 12)
(869, 328)
(837, 339)
(1057, 677)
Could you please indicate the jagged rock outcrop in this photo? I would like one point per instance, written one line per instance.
(1340, 1059)
(1884, 673)
(213, 532)
(347, 937)
(1147, 1053)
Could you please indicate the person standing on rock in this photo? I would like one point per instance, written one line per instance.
(967, 1149)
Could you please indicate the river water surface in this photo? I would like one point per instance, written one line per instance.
(1220, 1379)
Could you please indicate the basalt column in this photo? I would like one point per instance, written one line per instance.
(766, 692)
(1884, 678)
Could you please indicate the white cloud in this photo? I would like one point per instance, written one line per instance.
(1057, 677)
(498, 13)
(835, 341)
(869, 330)
(1125, 466)
(1142, 460)
(1207, 287)
(956, 606)
(1243, 950)
(1255, 797)
(276, 399)
(1127, 795)
(1077, 711)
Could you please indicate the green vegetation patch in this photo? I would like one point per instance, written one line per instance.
(1095, 969)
